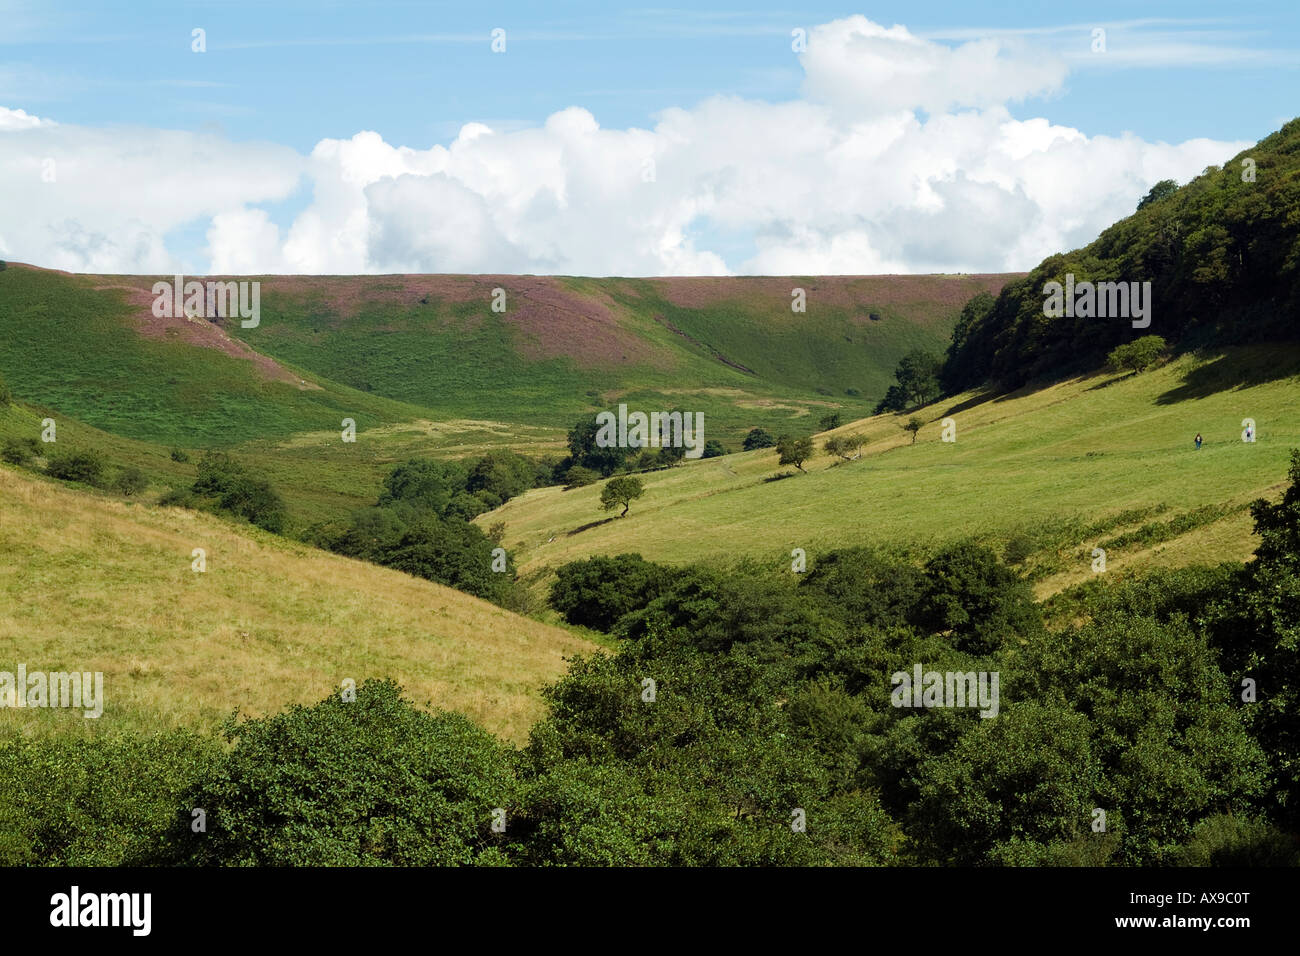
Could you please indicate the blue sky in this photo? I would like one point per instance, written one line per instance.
(296, 73)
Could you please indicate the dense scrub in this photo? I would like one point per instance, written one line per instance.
(749, 717)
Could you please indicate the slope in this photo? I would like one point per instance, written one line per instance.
(94, 584)
(1099, 460)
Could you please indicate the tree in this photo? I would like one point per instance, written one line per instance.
(422, 484)
(622, 490)
(894, 401)
(1161, 190)
(598, 591)
(794, 450)
(918, 376)
(1138, 355)
(913, 425)
(829, 422)
(758, 438)
(714, 449)
(847, 447)
(588, 454)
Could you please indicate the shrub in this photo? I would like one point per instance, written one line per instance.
(86, 467)
(598, 591)
(238, 492)
(978, 598)
(101, 801)
(758, 438)
(367, 782)
(578, 477)
(1138, 355)
(1018, 549)
(714, 449)
(180, 456)
(131, 481)
(255, 500)
(6, 396)
(19, 451)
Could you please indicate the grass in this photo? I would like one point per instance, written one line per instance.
(95, 584)
(1071, 456)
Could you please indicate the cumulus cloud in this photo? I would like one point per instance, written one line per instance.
(869, 68)
(899, 156)
(91, 200)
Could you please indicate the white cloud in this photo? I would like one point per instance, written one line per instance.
(901, 156)
(869, 68)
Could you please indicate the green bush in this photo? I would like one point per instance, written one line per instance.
(131, 481)
(20, 451)
(237, 492)
(1138, 355)
(596, 592)
(86, 467)
(368, 782)
(180, 455)
(758, 438)
(977, 598)
(75, 801)
(579, 477)
(1227, 840)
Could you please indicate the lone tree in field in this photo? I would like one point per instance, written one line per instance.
(848, 447)
(1138, 355)
(913, 425)
(794, 451)
(621, 491)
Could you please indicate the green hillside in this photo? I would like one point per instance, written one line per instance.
(1220, 257)
(1100, 460)
(389, 349)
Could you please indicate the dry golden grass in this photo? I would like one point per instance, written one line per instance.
(94, 584)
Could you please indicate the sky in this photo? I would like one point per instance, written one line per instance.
(238, 137)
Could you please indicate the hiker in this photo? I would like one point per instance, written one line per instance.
(1198, 439)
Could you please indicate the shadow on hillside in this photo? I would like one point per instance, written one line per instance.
(987, 395)
(1107, 383)
(589, 526)
(1231, 372)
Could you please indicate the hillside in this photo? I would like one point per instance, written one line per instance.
(95, 584)
(1069, 467)
(390, 349)
(1219, 257)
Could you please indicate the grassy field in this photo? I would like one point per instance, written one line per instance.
(95, 584)
(1096, 461)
